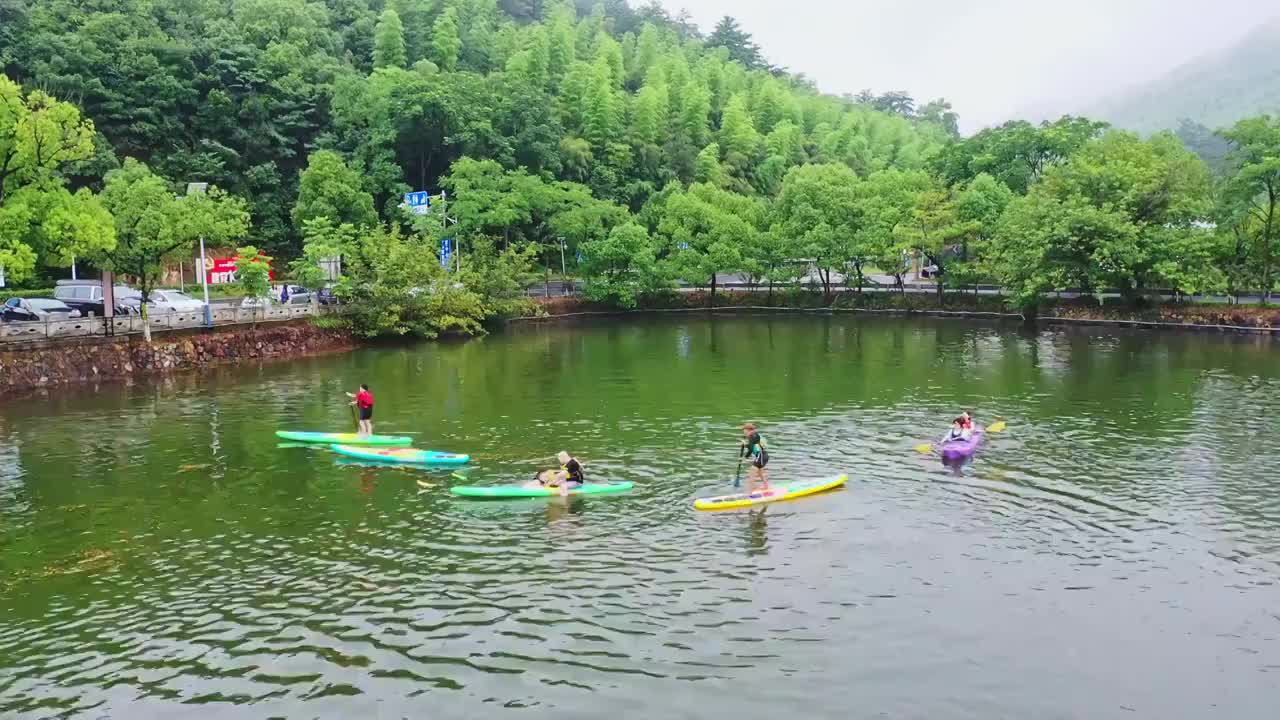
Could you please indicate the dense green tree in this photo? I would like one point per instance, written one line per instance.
(388, 43)
(818, 212)
(738, 134)
(1123, 213)
(980, 205)
(253, 273)
(398, 288)
(707, 229)
(1016, 153)
(888, 200)
(934, 229)
(328, 188)
(707, 168)
(729, 35)
(323, 242)
(1254, 194)
(154, 226)
(446, 43)
(603, 115)
(41, 139)
(622, 266)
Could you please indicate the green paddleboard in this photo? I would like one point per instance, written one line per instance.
(509, 492)
(344, 438)
(408, 456)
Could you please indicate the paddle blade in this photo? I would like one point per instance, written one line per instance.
(924, 448)
(998, 426)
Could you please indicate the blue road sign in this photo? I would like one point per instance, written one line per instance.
(419, 202)
(446, 251)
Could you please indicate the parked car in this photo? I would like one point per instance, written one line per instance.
(86, 296)
(252, 302)
(37, 310)
(164, 301)
(298, 295)
(326, 296)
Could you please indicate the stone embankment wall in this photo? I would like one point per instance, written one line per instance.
(31, 366)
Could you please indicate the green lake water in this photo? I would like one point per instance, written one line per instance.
(1114, 554)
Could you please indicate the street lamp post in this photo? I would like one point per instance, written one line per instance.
(563, 272)
(204, 281)
(192, 189)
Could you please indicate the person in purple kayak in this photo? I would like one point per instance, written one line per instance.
(958, 431)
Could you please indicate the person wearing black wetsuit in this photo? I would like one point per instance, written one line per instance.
(753, 448)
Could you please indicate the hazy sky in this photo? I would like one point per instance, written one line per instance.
(993, 59)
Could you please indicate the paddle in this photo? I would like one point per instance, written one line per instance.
(737, 474)
(995, 427)
(355, 419)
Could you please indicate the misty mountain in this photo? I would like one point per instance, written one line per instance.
(1215, 90)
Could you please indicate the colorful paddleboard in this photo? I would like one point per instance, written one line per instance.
(344, 438)
(408, 456)
(776, 493)
(509, 492)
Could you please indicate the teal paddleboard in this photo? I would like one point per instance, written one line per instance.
(408, 456)
(510, 492)
(343, 438)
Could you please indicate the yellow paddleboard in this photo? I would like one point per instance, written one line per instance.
(776, 493)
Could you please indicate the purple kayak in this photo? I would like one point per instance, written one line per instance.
(954, 450)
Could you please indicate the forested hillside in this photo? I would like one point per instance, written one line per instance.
(1213, 91)
(623, 140)
(238, 94)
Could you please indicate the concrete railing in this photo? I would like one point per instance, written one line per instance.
(160, 322)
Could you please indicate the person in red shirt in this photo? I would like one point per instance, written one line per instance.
(966, 420)
(364, 403)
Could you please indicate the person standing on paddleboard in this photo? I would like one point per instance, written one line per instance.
(753, 448)
(364, 403)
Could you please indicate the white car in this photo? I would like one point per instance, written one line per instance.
(253, 302)
(166, 301)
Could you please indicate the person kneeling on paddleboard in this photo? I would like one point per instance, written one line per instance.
(364, 402)
(753, 448)
(568, 477)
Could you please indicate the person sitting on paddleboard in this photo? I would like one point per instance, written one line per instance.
(568, 477)
(364, 403)
(753, 448)
(966, 420)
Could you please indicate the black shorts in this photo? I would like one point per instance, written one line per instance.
(366, 413)
(760, 460)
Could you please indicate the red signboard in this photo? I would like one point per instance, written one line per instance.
(223, 271)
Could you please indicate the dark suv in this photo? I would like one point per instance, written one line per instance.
(86, 296)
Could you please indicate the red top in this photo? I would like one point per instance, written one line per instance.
(364, 399)
(967, 423)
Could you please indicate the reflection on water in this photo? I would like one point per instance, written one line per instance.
(1115, 553)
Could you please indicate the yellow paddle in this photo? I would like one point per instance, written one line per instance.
(995, 427)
